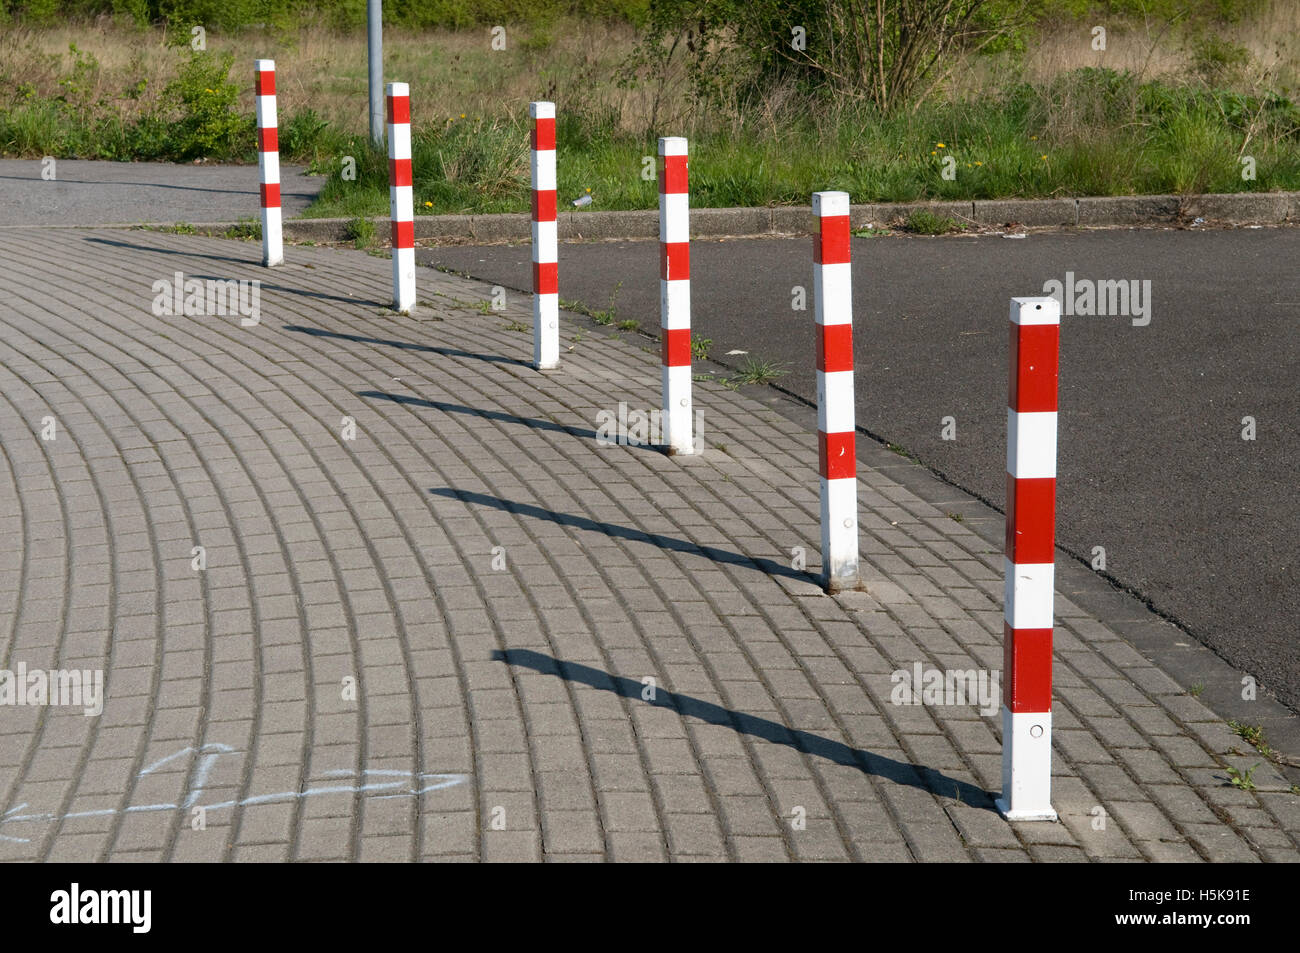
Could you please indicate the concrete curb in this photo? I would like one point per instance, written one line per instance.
(1267, 208)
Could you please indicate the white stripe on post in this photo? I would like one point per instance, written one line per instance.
(546, 297)
(675, 295)
(1030, 560)
(401, 199)
(836, 445)
(268, 162)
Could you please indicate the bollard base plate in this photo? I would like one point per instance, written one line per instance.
(835, 586)
(1038, 814)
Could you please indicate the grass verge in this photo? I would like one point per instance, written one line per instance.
(104, 91)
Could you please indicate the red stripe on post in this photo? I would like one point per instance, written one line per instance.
(675, 261)
(1031, 519)
(836, 455)
(672, 175)
(544, 205)
(543, 134)
(675, 347)
(831, 240)
(1034, 367)
(268, 139)
(399, 172)
(403, 234)
(271, 195)
(399, 109)
(264, 82)
(1026, 669)
(545, 278)
(835, 347)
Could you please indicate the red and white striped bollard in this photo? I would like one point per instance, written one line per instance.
(268, 162)
(546, 297)
(836, 444)
(1030, 561)
(675, 295)
(401, 199)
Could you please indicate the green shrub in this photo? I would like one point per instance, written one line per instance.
(301, 137)
(81, 82)
(212, 14)
(211, 122)
(35, 11)
(232, 15)
(1216, 60)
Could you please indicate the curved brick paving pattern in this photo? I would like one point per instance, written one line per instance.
(498, 694)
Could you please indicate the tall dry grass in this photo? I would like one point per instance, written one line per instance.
(1151, 49)
(451, 72)
(1018, 126)
(575, 61)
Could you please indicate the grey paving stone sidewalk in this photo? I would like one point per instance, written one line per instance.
(436, 640)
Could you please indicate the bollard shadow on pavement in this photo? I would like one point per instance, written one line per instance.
(133, 246)
(770, 566)
(837, 752)
(405, 345)
(320, 295)
(498, 415)
(254, 261)
(251, 193)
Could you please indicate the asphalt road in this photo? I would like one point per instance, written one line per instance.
(1152, 464)
(85, 192)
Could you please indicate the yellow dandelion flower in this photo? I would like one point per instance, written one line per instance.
(1033, 137)
(940, 145)
(428, 205)
(979, 163)
(933, 153)
(462, 115)
(1043, 157)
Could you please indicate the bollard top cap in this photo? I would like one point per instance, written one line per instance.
(1035, 311)
(264, 66)
(830, 203)
(397, 89)
(541, 110)
(672, 146)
